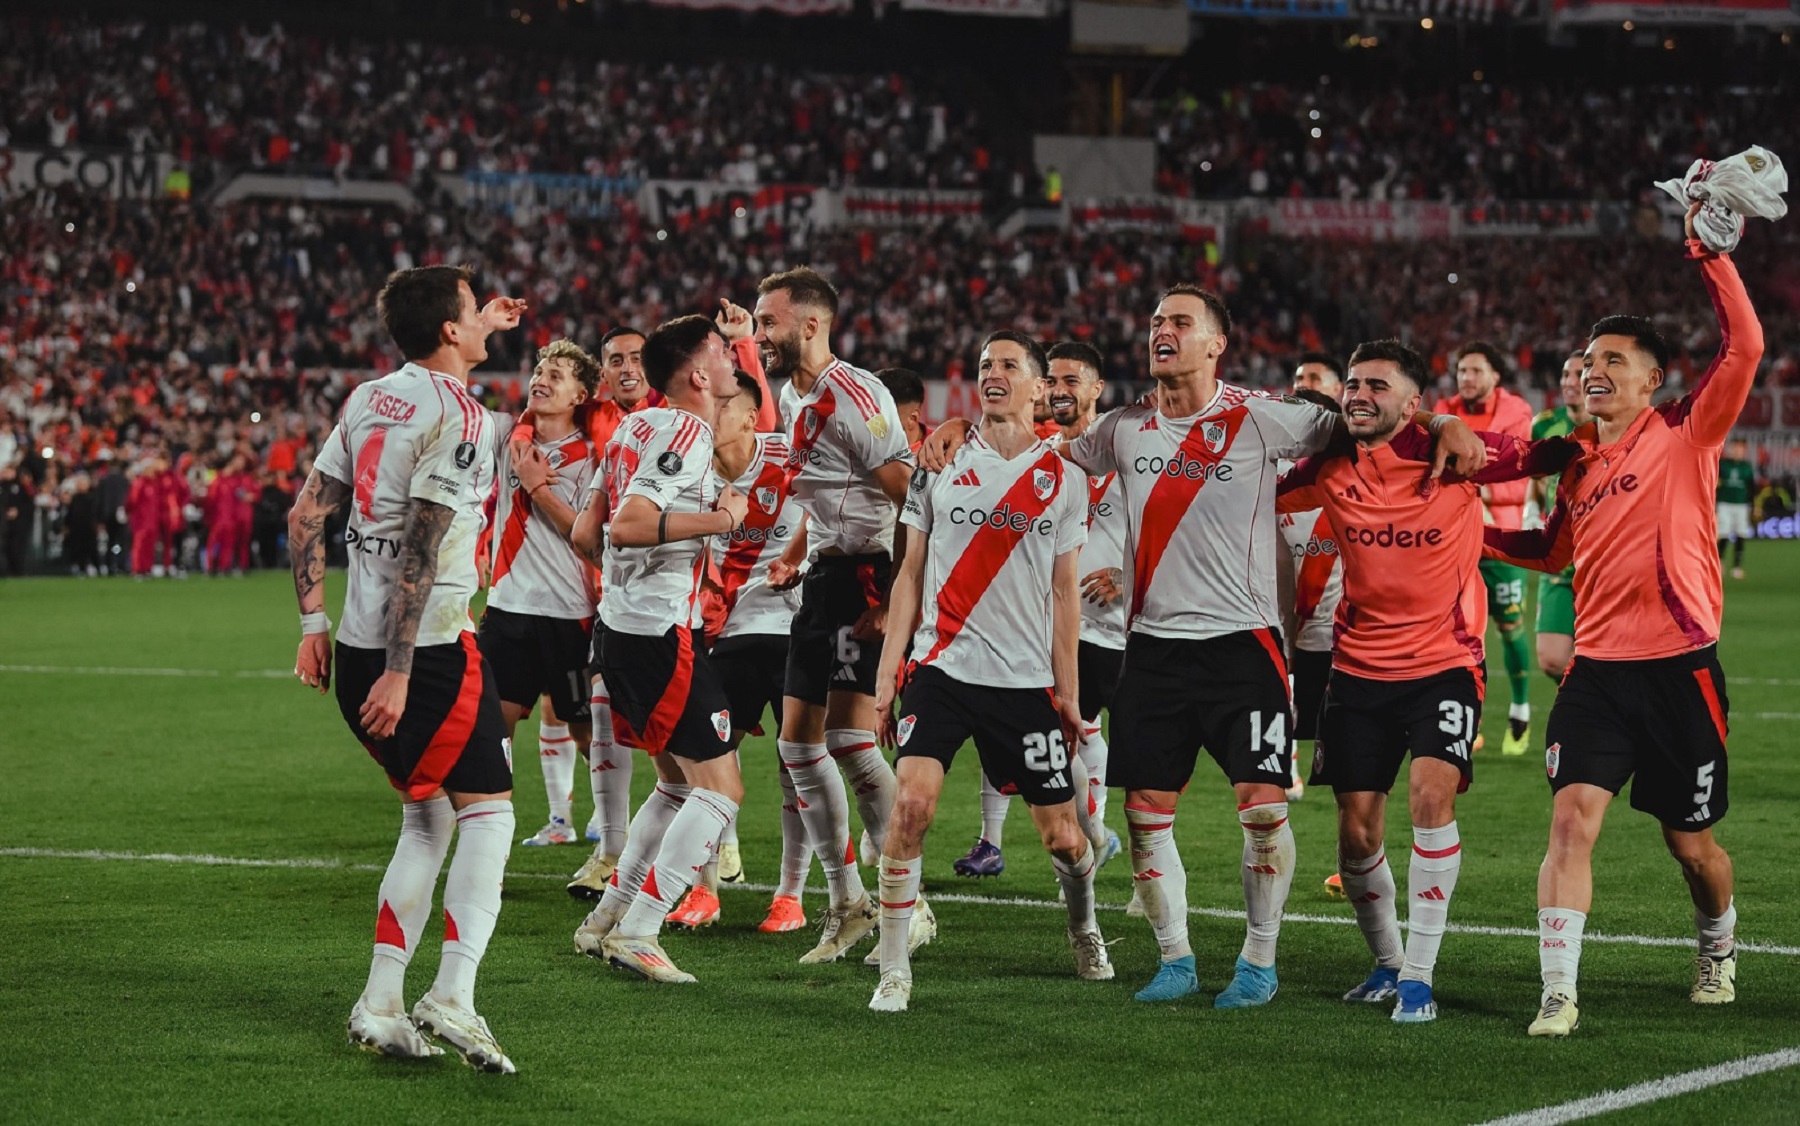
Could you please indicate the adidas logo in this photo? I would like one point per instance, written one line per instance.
(1272, 765)
(1261, 869)
(1436, 893)
(967, 478)
(1057, 780)
(1149, 424)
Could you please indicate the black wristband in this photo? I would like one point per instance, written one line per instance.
(662, 527)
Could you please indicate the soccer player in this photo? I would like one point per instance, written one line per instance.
(908, 391)
(750, 653)
(1074, 390)
(1556, 593)
(658, 498)
(849, 464)
(413, 457)
(1321, 372)
(992, 567)
(1203, 665)
(1407, 666)
(1645, 696)
(534, 633)
(1737, 482)
(1490, 408)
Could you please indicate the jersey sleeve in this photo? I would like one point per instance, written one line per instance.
(333, 459)
(672, 462)
(446, 464)
(1705, 415)
(1549, 549)
(1093, 450)
(1299, 489)
(916, 512)
(1292, 428)
(1071, 515)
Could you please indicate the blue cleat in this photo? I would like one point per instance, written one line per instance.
(1416, 1004)
(1111, 850)
(983, 860)
(1173, 981)
(1380, 986)
(1250, 986)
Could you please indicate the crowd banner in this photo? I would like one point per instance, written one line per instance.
(905, 207)
(1669, 13)
(779, 7)
(1376, 220)
(682, 204)
(1197, 220)
(1450, 11)
(1545, 219)
(1031, 9)
(118, 175)
(520, 194)
(1273, 9)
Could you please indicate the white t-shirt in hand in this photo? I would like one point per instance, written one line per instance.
(665, 456)
(838, 435)
(994, 528)
(414, 434)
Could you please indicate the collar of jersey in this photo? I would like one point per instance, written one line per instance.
(1212, 404)
(975, 439)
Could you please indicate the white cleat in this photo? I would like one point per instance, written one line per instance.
(1092, 962)
(591, 878)
(556, 832)
(1715, 980)
(731, 864)
(892, 995)
(646, 958)
(463, 1030)
(842, 929)
(919, 932)
(871, 856)
(592, 933)
(388, 1034)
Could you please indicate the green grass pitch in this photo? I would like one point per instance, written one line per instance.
(135, 989)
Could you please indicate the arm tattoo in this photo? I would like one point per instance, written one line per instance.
(319, 499)
(426, 523)
(596, 503)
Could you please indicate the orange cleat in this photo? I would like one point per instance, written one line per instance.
(1334, 886)
(699, 908)
(785, 914)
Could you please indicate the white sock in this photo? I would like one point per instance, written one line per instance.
(406, 889)
(646, 836)
(556, 754)
(796, 854)
(994, 805)
(1077, 880)
(899, 895)
(691, 839)
(825, 810)
(1369, 886)
(1718, 937)
(609, 775)
(1161, 879)
(729, 836)
(472, 896)
(1268, 874)
(1520, 711)
(1430, 882)
(1559, 946)
(868, 776)
(1093, 752)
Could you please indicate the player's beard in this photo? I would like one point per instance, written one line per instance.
(781, 357)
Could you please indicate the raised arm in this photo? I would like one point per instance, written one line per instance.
(1706, 414)
(319, 498)
(734, 321)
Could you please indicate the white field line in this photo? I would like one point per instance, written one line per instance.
(1655, 1090)
(207, 860)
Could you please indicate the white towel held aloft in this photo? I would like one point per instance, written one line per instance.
(1747, 185)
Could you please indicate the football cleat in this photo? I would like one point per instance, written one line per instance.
(1416, 1005)
(463, 1030)
(1297, 791)
(785, 914)
(842, 929)
(1250, 986)
(982, 860)
(1381, 985)
(1092, 962)
(556, 832)
(1737, 572)
(1715, 980)
(920, 930)
(698, 908)
(1557, 1016)
(1334, 886)
(1135, 908)
(644, 957)
(731, 864)
(591, 878)
(1517, 739)
(1480, 742)
(871, 856)
(593, 828)
(388, 1034)
(1173, 981)
(892, 995)
(592, 933)
(1110, 849)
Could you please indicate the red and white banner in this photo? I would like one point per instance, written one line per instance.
(1033, 9)
(780, 7)
(1748, 13)
(1368, 220)
(685, 203)
(901, 207)
(1200, 220)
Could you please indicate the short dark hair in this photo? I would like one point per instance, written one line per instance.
(747, 385)
(613, 334)
(1411, 364)
(587, 369)
(1486, 351)
(1220, 315)
(1323, 359)
(1033, 350)
(1080, 351)
(1642, 332)
(673, 345)
(804, 286)
(1319, 399)
(903, 384)
(415, 303)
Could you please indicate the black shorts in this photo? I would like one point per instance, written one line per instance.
(1662, 720)
(535, 656)
(1016, 730)
(1097, 669)
(1367, 728)
(1312, 669)
(665, 693)
(753, 669)
(451, 735)
(1228, 694)
(822, 656)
